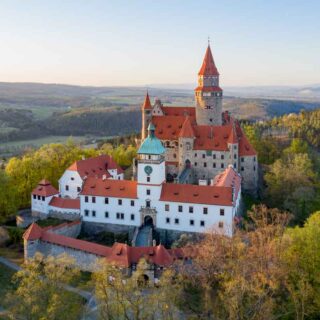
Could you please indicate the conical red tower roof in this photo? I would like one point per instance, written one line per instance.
(187, 130)
(147, 103)
(208, 67)
(33, 232)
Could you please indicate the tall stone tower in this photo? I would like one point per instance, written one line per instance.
(208, 94)
(146, 116)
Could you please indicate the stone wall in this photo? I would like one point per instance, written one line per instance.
(249, 173)
(67, 229)
(70, 216)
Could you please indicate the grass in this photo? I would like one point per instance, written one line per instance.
(50, 222)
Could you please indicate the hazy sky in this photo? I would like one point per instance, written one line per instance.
(101, 42)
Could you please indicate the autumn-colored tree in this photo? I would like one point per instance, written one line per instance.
(41, 293)
(120, 297)
(240, 276)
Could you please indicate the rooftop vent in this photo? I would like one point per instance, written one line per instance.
(122, 188)
(176, 193)
(216, 196)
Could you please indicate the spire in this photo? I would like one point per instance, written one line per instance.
(208, 67)
(187, 130)
(147, 103)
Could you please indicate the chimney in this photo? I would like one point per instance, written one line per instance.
(104, 177)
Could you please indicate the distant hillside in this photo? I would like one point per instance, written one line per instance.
(31, 110)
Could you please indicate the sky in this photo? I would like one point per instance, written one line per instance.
(138, 43)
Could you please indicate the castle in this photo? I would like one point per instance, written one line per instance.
(201, 141)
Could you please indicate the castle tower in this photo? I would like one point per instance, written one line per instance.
(146, 110)
(208, 94)
(186, 142)
(233, 145)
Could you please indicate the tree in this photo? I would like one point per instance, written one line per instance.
(120, 297)
(240, 276)
(302, 265)
(41, 293)
(292, 185)
(8, 197)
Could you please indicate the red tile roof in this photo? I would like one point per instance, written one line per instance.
(233, 139)
(179, 111)
(208, 67)
(33, 232)
(45, 189)
(228, 178)
(187, 129)
(189, 193)
(95, 167)
(110, 188)
(119, 254)
(147, 103)
(208, 89)
(65, 203)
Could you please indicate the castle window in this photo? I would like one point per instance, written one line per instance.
(214, 165)
(167, 220)
(222, 165)
(220, 224)
(149, 157)
(174, 155)
(120, 202)
(148, 204)
(222, 156)
(43, 198)
(214, 156)
(118, 215)
(72, 178)
(195, 164)
(86, 213)
(106, 214)
(176, 143)
(180, 208)
(235, 156)
(93, 199)
(242, 168)
(191, 222)
(195, 155)
(235, 147)
(203, 156)
(254, 168)
(34, 196)
(254, 159)
(78, 189)
(106, 200)
(132, 203)
(132, 216)
(39, 197)
(202, 224)
(93, 213)
(166, 207)
(205, 164)
(86, 199)
(205, 210)
(235, 165)
(242, 159)
(176, 221)
(148, 192)
(210, 120)
(221, 212)
(148, 179)
(67, 188)
(190, 209)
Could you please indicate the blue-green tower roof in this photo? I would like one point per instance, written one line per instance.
(151, 145)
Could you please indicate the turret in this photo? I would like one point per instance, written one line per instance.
(146, 110)
(186, 141)
(208, 94)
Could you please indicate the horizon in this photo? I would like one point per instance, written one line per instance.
(254, 44)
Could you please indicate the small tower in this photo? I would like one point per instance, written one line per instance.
(146, 116)
(233, 145)
(151, 163)
(186, 141)
(208, 94)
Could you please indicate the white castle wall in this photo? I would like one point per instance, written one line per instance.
(74, 182)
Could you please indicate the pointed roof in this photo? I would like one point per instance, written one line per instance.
(233, 138)
(147, 103)
(33, 232)
(187, 129)
(208, 67)
(45, 189)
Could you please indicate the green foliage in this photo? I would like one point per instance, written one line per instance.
(41, 293)
(122, 154)
(302, 262)
(8, 196)
(15, 234)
